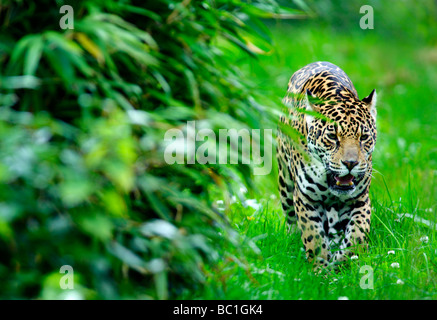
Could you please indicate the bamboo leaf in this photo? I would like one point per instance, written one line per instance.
(33, 55)
(90, 46)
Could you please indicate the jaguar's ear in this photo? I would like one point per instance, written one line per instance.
(370, 101)
(310, 106)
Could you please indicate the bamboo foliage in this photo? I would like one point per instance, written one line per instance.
(83, 181)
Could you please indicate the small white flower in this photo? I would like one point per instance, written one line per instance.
(253, 203)
(400, 282)
(343, 298)
(395, 265)
(424, 239)
(391, 252)
(354, 257)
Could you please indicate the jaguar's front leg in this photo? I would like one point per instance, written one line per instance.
(356, 231)
(311, 224)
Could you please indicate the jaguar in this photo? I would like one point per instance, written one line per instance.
(326, 137)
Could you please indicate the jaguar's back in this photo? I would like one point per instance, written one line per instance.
(322, 79)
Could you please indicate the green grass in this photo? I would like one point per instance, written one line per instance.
(405, 181)
(280, 270)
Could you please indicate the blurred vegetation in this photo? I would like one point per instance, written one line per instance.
(392, 19)
(83, 114)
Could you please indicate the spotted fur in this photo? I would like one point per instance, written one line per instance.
(324, 178)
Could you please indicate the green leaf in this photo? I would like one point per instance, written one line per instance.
(20, 49)
(127, 256)
(33, 55)
(97, 225)
(19, 82)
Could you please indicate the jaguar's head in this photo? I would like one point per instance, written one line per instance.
(343, 139)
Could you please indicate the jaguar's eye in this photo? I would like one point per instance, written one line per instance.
(364, 137)
(332, 136)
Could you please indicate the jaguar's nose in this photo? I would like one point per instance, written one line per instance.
(350, 164)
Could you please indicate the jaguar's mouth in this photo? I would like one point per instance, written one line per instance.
(342, 183)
